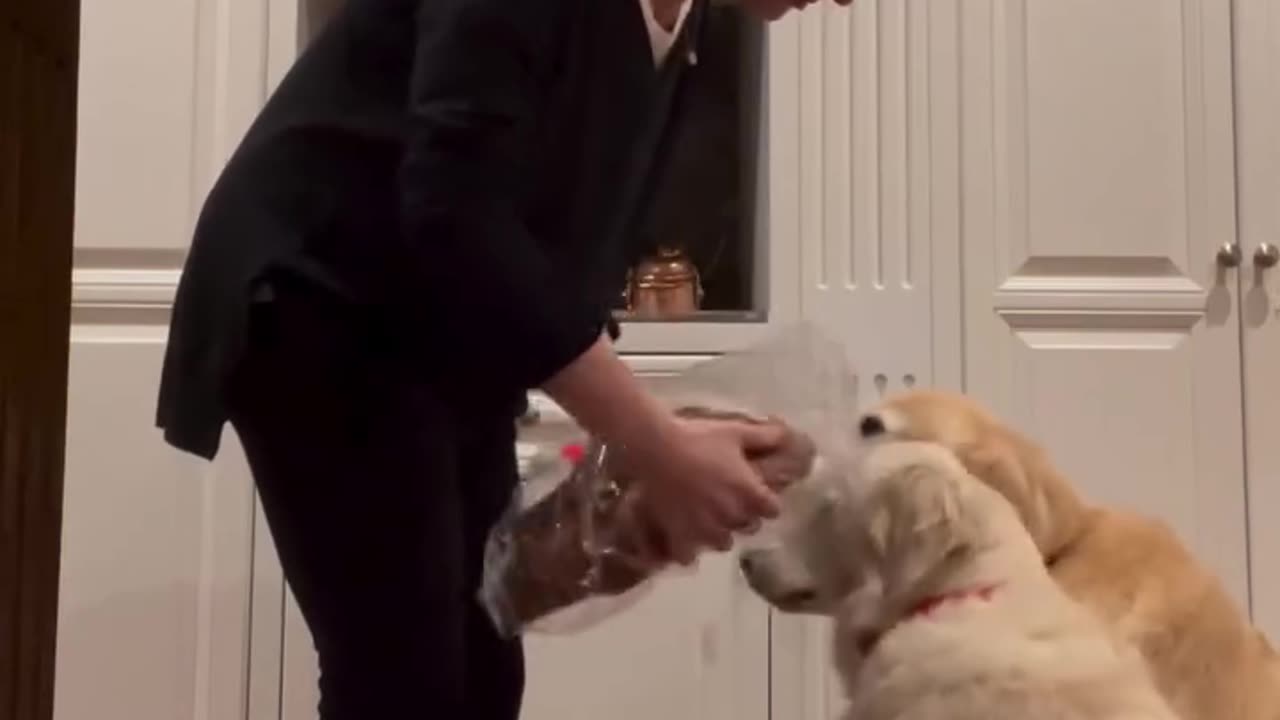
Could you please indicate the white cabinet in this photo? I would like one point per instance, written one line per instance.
(1257, 55)
(1081, 166)
(156, 565)
(1022, 198)
(1099, 182)
(1093, 151)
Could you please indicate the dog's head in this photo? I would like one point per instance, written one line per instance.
(802, 566)
(997, 455)
(901, 520)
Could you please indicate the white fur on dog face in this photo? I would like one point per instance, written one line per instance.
(886, 460)
(877, 520)
(824, 546)
(802, 564)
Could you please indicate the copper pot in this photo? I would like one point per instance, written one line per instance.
(664, 286)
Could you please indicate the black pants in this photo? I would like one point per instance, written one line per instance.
(379, 495)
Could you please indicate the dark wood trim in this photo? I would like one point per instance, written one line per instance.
(38, 58)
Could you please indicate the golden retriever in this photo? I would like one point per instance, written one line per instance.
(942, 604)
(1133, 571)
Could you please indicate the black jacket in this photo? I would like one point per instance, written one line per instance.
(468, 170)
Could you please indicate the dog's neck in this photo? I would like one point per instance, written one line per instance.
(927, 605)
(982, 580)
(923, 608)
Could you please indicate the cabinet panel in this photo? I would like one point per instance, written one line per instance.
(157, 563)
(874, 105)
(696, 647)
(156, 550)
(877, 234)
(167, 87)
(1098, 111)
(137, 63)
(1099, 182)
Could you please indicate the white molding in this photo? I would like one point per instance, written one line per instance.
(123, 288)
(1179, 286)
(695, 337)
(1065, 317)
(1053, 300)
(266, 624)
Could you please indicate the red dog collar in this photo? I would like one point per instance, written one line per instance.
(925, 607)
(929, 604)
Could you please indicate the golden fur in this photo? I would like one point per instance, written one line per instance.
(907, 524)
(1133, 571)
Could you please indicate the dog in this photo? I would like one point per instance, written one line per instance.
(942, 604)
(1131, 570)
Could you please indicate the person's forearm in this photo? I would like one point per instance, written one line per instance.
(606, 398)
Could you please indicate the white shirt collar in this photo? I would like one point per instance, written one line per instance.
(661, 39)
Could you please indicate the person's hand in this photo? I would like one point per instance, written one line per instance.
(697, 484)
(698, 487)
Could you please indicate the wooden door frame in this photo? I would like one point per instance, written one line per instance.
(38, 66)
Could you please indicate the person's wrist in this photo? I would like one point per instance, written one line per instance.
(651, 428)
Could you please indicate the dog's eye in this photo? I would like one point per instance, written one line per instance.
(871, 426)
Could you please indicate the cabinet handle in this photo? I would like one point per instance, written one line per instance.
(1266, 255)
(1229, 255)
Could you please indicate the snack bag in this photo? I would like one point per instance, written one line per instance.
(574, 550)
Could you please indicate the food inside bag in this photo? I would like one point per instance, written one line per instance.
(564, 558)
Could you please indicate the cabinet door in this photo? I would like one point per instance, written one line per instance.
(874, 105)
(1098, 178)
(1258, 104)
(156, 565)
(1074, 160)
(871, 94)
(694, 648)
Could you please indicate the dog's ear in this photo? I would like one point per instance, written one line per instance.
(996, 462)
(1000, 464)
(922, 529)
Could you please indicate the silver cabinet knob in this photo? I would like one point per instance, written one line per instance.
(1266, 255)
(1229, 255)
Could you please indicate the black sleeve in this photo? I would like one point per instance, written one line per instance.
(480, 72)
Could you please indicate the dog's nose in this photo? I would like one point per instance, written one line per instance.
(871, 426)
(745, 563)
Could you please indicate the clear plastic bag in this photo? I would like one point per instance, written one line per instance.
(572, 551)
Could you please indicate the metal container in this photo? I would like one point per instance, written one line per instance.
(664, 286)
